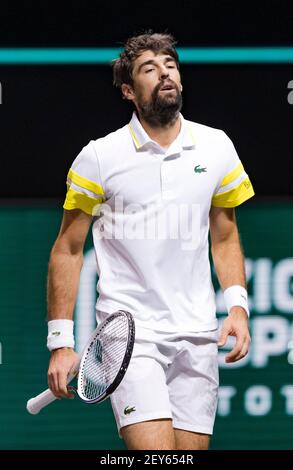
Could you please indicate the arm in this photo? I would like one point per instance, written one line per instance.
(63, 280)
(229, 264)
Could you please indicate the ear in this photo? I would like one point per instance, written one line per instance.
(127, 91)
(181, 87)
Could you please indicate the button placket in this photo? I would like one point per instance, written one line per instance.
(167, 181)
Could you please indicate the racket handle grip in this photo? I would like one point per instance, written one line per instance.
(35, 404)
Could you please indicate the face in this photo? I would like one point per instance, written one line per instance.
(156, 90)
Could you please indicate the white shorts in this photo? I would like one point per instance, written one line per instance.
(170, 375)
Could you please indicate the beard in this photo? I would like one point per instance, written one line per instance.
(161, 111)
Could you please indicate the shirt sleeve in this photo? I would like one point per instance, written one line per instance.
(235, 186)
(84, 186)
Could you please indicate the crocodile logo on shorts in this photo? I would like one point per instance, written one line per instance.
(199, 169)
(56, 333)
(128, 410)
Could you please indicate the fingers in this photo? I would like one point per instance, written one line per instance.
(235, 326)
(62, 362)
(53, 383)
(223, 336)
(240, 349)
(57, 381)
(62, 382)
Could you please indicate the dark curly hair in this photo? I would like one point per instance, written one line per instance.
(134, 46)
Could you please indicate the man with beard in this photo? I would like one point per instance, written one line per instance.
(153, 189)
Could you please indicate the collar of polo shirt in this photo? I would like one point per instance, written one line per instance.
(184, 140)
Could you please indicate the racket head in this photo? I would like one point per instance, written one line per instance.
(106, 357)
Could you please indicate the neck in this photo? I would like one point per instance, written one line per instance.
(163, 135)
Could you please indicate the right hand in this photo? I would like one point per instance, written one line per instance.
(63, 362)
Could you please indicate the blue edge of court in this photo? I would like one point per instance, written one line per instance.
(104, 56)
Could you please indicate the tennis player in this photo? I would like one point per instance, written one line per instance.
(154, 189)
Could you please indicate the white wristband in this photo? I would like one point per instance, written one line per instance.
(236, 296)
(60, 334)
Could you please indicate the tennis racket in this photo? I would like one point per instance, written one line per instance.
(103, 363)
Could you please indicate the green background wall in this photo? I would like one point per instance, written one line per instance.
(256, 398)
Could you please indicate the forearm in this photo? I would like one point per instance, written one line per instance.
(63, 282)
(229, 262)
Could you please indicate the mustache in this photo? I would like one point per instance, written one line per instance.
(163, 85)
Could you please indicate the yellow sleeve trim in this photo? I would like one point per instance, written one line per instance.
(235, 196)
(76, 200)
(232, 175)
(85, 183)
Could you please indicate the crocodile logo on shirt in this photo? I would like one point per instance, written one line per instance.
(128, 410)
(56, 333)
(199, 169)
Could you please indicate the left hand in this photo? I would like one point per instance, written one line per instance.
(236, 324)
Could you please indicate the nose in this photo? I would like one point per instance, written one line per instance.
(164, 73)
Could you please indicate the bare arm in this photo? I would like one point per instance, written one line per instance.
(63, 280)
(229, 264)
(65, 264)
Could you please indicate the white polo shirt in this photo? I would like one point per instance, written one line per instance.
(151, 219)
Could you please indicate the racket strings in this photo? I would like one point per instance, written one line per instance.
(105, 358)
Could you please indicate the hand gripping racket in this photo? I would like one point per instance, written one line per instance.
(103, 363)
